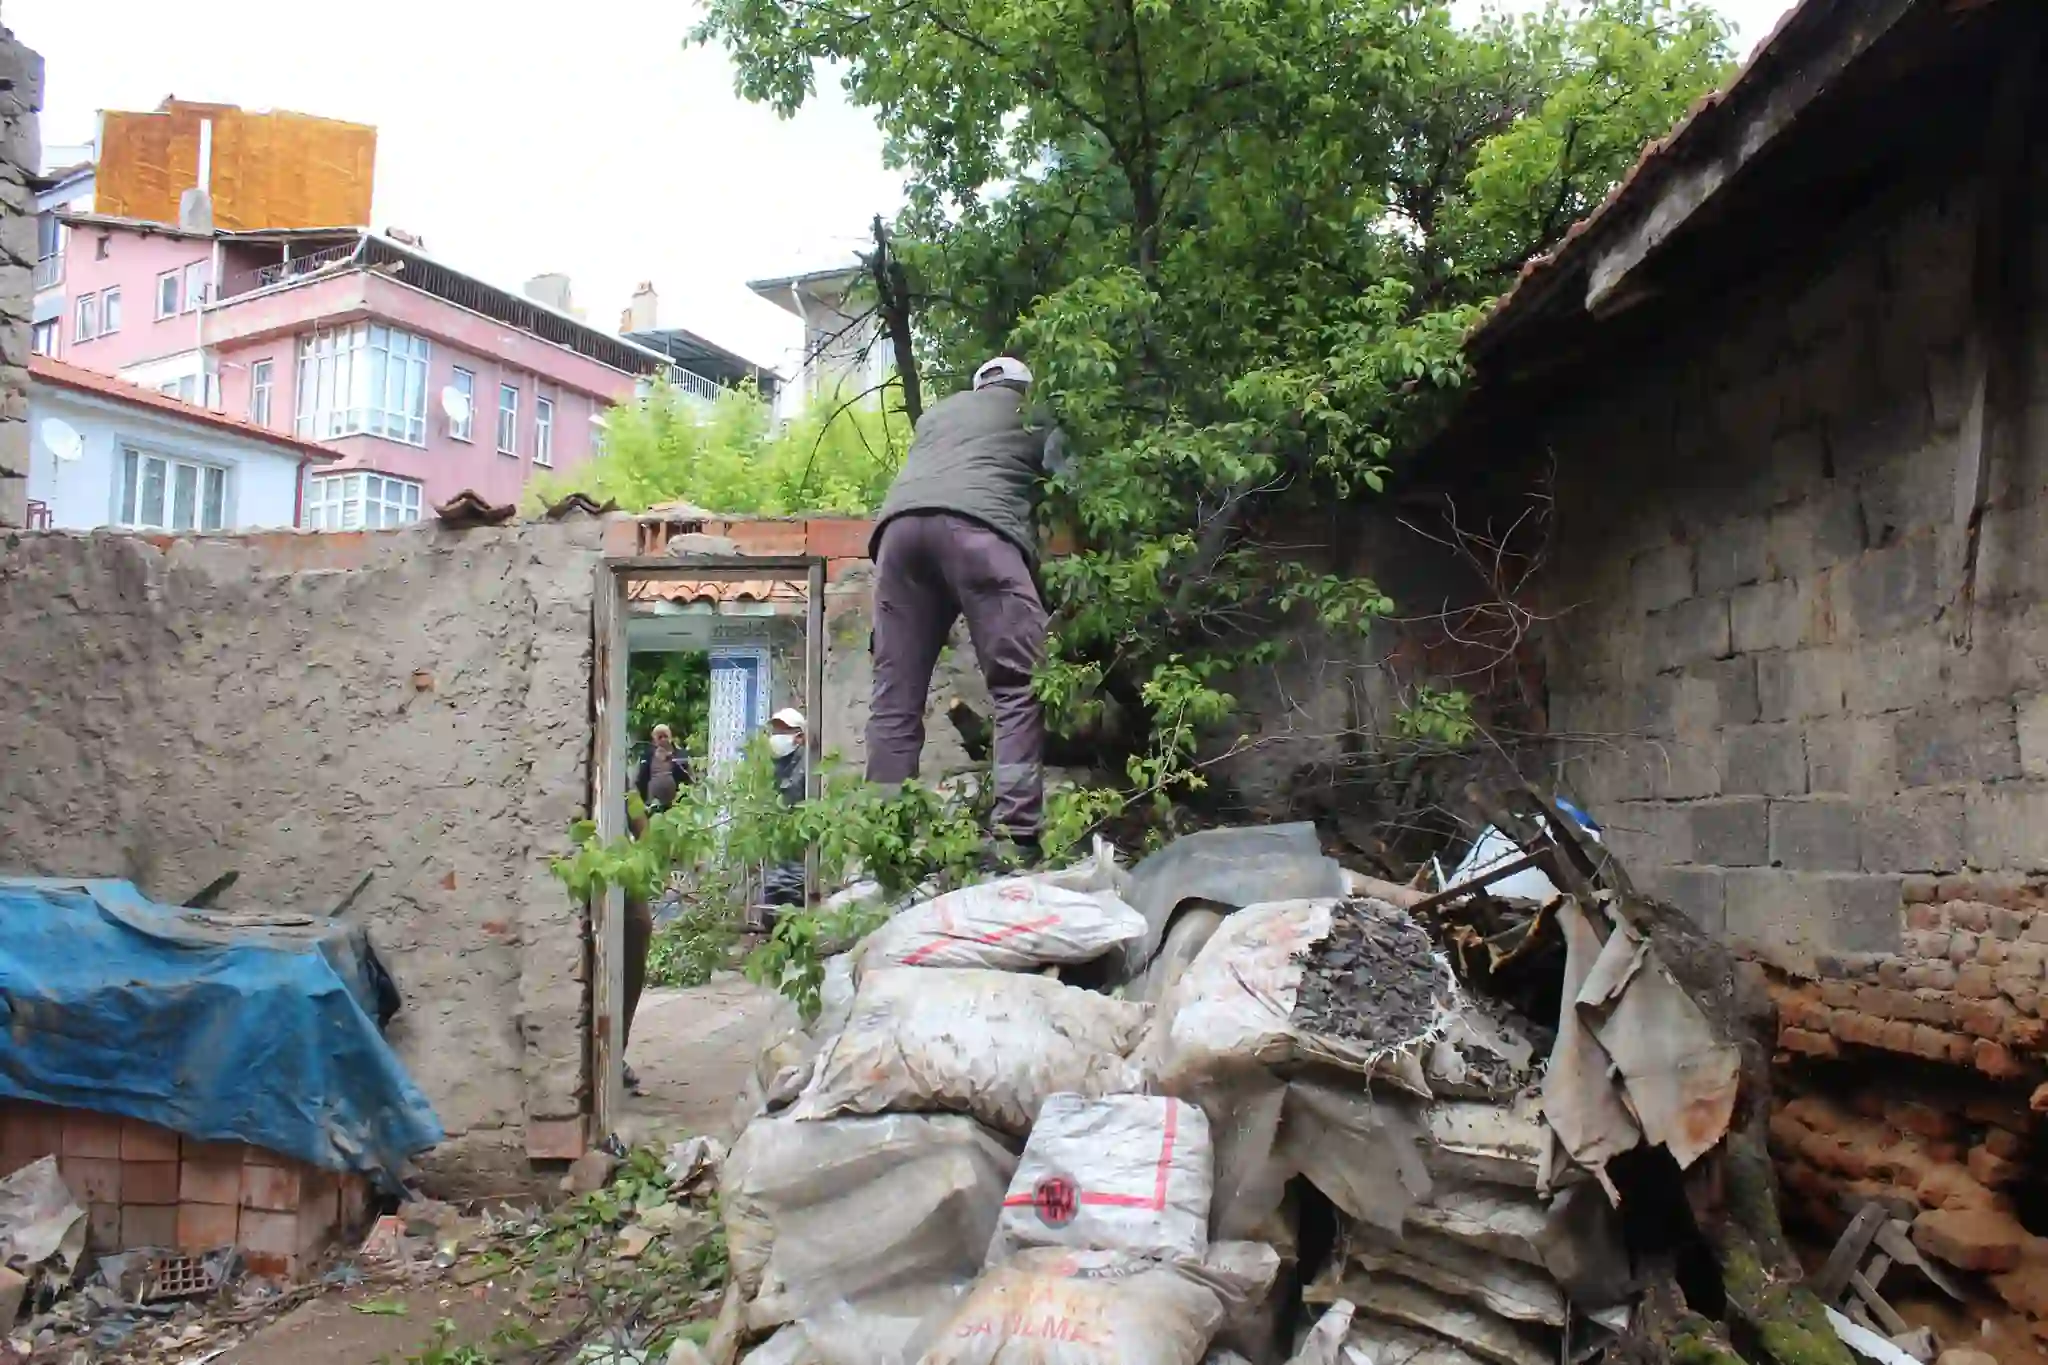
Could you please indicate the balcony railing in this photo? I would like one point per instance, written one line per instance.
(695, 385)
(263, 277)
(49, 271)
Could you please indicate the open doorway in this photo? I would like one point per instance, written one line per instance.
(703, 660)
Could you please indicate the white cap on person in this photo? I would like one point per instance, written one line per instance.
(1004, 369)
(789, 718)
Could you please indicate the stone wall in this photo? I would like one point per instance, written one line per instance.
(21, 152)
(305, 709)
(1754, 671)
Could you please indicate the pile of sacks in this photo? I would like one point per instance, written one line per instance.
(967, 1161)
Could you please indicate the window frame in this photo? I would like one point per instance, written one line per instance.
(346, 378)
(195, 272)
(132, 476)
(464, 431)
(175, 279)
(110, 310)
(262, 386)
(85, 318)
(544, 432)
(508, 420)
(331, 496)
(51, 329)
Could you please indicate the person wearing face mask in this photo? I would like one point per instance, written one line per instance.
(784, 884)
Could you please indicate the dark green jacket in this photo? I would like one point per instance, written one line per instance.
(976, 454)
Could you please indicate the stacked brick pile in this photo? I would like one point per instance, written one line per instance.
(145, 1186)
(1966, 987)
(1951, 1168)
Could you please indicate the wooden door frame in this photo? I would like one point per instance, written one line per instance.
(609, 783)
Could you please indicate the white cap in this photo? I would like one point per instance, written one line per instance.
(789, 718)
(1003, 369)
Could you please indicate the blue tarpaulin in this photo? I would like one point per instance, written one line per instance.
(223, 1027)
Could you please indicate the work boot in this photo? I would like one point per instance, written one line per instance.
(1007, 857)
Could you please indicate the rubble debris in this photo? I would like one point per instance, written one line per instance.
(468, 508)
(590, 1172)
(1373, 979)
(41, 1222)
(1230, 868)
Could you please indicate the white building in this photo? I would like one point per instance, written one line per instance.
(844, 353)
(103, 452)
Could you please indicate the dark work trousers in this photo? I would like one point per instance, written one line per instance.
(931, 569)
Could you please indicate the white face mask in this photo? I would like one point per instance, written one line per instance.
(782, 745)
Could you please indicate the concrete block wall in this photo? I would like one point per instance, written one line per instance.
(1753, 667)
(21, 152)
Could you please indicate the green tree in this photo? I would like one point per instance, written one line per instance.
(733, 456)
(1240, 243)
(672, 689)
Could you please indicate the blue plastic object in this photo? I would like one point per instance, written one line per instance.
(221, 1027)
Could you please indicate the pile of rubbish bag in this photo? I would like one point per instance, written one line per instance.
(1227, 1106)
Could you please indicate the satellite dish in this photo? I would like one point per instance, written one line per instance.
(62, 438)
(455, 403)
(598, 419)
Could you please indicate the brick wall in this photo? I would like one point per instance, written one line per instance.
(21, 151)
(1750, 672)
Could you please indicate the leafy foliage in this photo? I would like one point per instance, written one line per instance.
(733, 456)
(672, 689)
(1240, 243)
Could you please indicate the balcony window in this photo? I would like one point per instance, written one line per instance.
(85, 323)
(195, 284)
(360, 502)
(49, 251)
(508, 419)
(110, 311)
(162, 494)
(364, 379)
(543, 431)
(42, 338)
(167, 295)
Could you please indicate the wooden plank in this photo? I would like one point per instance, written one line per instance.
(814, 709)
(608, 811)
(1890, 1323)
(796, 568)
(1848, 1253)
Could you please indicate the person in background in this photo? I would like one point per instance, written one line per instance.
(664, 772)
(954, 538)
(784, 883)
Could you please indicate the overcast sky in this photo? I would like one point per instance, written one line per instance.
(582, 137)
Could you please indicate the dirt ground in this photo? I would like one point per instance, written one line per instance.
(693, 1049)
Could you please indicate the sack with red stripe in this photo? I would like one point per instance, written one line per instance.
(1048, 1306)
(990, 1044)
(1120, 1173)
(1015, 924)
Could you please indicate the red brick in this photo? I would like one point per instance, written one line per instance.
(1962, 947)
(146, 1226)
(319, 1209)
(1984, 1018)
(209, 1182)
(1904, 1165)
(355, 1201)
(1991, 952)
(1991, 1169)
(2024, 1290)
(92, 1180)
(1865, 1030)
(1977, 983)
(92, 1135)
(1919, 893)
(1810, 1044)
(1838, 995)
(1970, 1239)
(1968, 914)
(35, 1129)
(274, 1188)
(2026, 1034)
(2004, 1142)
(1934, 1007)
(149, 1182)
(1898, 1036)
(1994, 1061)
(1799, 1011)
(1884, 1002)
(276, 1233)
(202, 1227)
(1786, 1131)
(840, 537)
(146, 1142)
(1952, 1187)
(555, 1139)
(2038, 1101)
(225, 1153)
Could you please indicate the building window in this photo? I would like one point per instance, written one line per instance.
(195, 285)
(185, 390)
(543, 431)
(49, 250)
(167, 295)
(363, 379)
(86, 324)
(259, 393)
(360, 502)
(110, 311)
(508, 419)
(163, 494)
(42, 338)
(462, 428)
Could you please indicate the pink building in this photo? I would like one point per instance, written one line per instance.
(432, 380)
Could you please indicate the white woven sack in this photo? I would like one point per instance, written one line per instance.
(1119, 1173)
